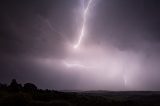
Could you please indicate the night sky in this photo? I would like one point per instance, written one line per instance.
(119, 51)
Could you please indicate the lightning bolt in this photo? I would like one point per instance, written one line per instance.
(83, 25)
(71, 65)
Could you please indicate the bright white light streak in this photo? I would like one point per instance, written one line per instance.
(83, 25)
(70, 65)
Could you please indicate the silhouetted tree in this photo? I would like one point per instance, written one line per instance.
(30, 87)
(3, 86)
(14, 86)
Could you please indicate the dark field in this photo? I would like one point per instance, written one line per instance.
(53, 98)
(29, 95)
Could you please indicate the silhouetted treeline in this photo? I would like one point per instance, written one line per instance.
(16, 94)
(14, 86)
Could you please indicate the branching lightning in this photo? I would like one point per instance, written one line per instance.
(83, 25)
(71, 65)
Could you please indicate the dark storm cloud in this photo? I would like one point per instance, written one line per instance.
(127, 22)
(28, 26)
(37, 29)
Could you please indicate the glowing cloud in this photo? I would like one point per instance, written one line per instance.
(83, 25)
